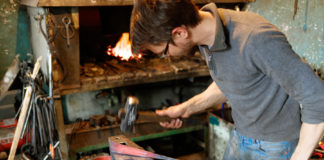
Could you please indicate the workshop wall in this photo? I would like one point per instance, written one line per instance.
(14, 33)
(305, 30)
(8, 31)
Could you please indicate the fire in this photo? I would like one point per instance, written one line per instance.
(122, 49)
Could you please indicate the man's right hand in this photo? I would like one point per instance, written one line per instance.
(210, 97)
(177, 111)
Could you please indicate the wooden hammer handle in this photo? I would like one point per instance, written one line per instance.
(150, 116)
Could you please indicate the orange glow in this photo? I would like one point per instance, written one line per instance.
(122, 49)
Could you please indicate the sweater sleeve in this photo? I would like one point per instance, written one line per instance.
(268, 50)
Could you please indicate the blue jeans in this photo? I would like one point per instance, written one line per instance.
(243, 148)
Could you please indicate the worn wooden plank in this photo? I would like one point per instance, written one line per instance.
(144, 131)
(61, 130)
(32, 3)
(9, 76)
(131, 73)
(90, 84)
(81, 3)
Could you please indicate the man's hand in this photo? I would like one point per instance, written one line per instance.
(210, 97)
(178, 111)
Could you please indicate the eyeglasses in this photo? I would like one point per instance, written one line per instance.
(165, 50)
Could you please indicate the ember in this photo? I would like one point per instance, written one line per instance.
(122, 49)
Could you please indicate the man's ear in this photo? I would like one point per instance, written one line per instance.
(179, 33)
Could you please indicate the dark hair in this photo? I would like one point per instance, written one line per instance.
(153, 20)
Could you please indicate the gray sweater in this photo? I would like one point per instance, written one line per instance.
(264, 80)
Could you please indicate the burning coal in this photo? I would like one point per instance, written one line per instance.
(122, 50)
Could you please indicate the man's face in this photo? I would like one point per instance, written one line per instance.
(176, 49)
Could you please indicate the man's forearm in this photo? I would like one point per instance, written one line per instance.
(310, 135)
(209, 98)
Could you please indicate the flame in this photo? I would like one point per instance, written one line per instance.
(122, 49)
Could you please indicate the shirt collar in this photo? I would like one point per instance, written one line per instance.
(219, 42)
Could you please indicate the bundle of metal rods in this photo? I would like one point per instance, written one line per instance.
(39, 127)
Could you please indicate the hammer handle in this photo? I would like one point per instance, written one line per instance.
(150, 116)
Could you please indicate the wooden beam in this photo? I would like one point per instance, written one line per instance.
(61, 129)
(104, 82)
(82, 3)
(33, 3)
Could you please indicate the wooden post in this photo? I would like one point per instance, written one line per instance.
(61, 129)
(23, 112)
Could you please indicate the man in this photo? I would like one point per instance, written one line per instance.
(277, 101)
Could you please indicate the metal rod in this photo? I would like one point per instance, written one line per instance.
(28, 113)
(23, 113)
(49, 153)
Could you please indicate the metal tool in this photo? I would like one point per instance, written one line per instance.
(23, 113)
(67, 25)
(39, 122)
(123, 148)
(129, 115)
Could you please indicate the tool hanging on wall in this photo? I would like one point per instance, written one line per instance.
(68, 30)
(50, 32)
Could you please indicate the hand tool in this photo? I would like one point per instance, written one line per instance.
(67, 24)
(129, 115)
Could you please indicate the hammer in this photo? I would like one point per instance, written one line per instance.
(129, 115)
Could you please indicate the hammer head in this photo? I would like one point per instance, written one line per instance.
(128, 114)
